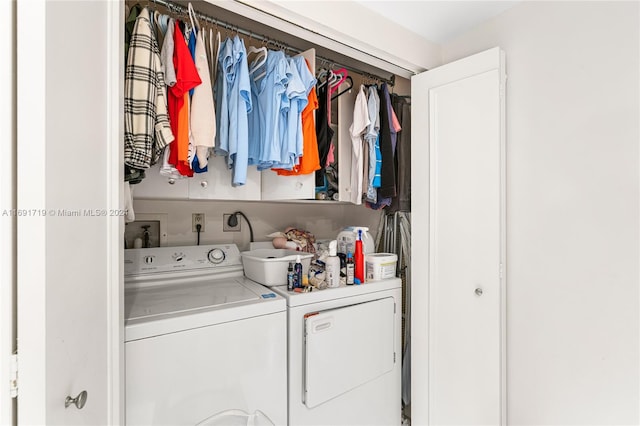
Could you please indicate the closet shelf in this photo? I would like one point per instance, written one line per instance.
(271, 37)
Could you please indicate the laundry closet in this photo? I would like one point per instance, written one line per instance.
(316, 206)
(93, 361)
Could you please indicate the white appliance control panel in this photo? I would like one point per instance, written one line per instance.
(205, 258)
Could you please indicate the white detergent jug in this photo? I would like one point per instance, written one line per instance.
(348, 236)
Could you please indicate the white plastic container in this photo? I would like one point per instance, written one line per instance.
(380, 266)
(348, 236)
(269, 266)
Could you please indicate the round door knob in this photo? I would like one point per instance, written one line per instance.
(478, 291)
(299, 185)
(78, 401)
(204, 184)
(171, 181)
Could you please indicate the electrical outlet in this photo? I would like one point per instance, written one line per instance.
(197, 219)
(225, 223)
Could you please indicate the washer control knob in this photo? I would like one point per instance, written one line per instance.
(178, 257)
(148, 260)
(204, 184)
(216, 256)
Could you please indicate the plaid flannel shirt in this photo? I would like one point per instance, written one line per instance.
(146, 123)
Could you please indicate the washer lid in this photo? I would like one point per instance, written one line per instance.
(156, 310)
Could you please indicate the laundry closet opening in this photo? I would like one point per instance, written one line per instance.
(355, 172)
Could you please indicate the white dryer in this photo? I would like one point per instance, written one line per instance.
(344, 355)
(201, 341)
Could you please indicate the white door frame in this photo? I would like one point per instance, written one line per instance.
(115, 231)
(7, 206)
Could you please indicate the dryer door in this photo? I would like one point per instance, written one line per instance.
(347, 347)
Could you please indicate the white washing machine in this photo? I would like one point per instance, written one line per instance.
(201, 341)
(344, 355)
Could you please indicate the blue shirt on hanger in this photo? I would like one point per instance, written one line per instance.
(233, 98)
(271, 94)
(239, 106)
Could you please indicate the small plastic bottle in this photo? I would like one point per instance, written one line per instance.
(333, 266)
(291, 281)
(350, 269)
(297, 271)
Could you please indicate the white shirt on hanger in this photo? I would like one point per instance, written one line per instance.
(357, 130)
(203, 114)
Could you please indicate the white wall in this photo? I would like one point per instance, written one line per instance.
(572, 208)
(322, 219)
(358, 26)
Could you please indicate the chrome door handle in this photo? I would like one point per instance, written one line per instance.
(78, 401)
(478, 291)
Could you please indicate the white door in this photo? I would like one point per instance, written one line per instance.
(458, 202)
(69, 228)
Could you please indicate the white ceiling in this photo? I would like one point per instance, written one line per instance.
(438, 21)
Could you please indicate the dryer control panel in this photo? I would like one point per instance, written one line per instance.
(205, 258)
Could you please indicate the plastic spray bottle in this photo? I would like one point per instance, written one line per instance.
(332, 266)
(359, 260)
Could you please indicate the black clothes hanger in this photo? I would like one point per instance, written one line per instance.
(350, 80)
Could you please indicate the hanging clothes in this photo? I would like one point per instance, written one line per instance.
(129, 24)
(298, 86)
(166, 54)
(310, 161)
(187, 78)
(386, 139)
(300, 81)
(221, 100)
(203, 123)
(146, 124)
(190, 35)
(387, 145)
(271, 86)
(375, 157)
(330, 153)
(234, 91)
(324, 134)
(166, 57)
(356, 131)
(256, 124)
(402, 202)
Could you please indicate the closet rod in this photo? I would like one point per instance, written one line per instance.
(178, 8)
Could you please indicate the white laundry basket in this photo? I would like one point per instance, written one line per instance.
(237, 418)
